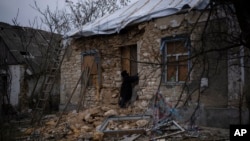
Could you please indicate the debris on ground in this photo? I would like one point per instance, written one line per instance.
(109, 122)
(105, 124)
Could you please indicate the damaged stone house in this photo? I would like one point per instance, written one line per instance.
(22, 61)
(175, 46)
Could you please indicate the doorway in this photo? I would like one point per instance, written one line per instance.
(129, 59)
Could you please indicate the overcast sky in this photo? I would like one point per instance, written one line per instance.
(9, 9)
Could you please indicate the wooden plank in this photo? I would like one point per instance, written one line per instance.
(89, 61)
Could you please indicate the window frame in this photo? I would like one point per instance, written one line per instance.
(165, 56)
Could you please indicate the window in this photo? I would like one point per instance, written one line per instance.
(175, 57)
(26, 54)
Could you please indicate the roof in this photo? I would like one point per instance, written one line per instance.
(140, 11)
(24, 44)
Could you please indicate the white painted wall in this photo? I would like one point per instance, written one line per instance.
(16, 78)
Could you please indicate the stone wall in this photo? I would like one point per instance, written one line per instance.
(70, 73)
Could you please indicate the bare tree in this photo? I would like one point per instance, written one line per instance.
(88, 10)
(55, 21)
(78, 14)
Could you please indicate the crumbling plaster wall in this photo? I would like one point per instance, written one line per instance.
(147, 36)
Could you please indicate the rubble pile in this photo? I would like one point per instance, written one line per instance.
(73, 125)
(105, 124)
(109, 122)
(82, 125)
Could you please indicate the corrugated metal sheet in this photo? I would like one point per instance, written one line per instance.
(140, 11)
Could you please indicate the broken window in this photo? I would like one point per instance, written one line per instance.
(175, 57)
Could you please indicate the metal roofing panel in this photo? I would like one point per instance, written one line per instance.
(140, 11)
